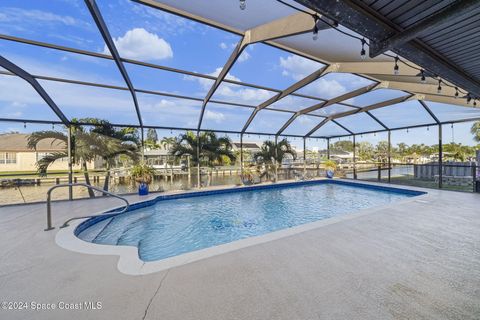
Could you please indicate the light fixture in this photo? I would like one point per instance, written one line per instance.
(24, 125)
(423, 79)
(53, 126)
(243, 4)
(428, 128)
(469, 98)
(456, 92)
(363, 54)
(439, 88)
(474, 102)
(396, 69)
(315, 28)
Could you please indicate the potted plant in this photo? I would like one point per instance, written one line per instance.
(330, 167)
(143, 175)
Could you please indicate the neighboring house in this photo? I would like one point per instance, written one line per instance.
(337, 155)
(161, 159)
(16, 156)
(251, 147)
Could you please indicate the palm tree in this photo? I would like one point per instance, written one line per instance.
(102, 141)
(271, 155)
(167, 142)
(365, 150)
(213, 150)
(402, 150)
(381, 151)
(475, 130)
(113, 142)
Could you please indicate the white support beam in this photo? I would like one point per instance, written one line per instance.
(444, 99)
(327, 103)
(374, 106)
(365, 109)
(374, 68)
(428, 92)
(284, 27)
(340, 98)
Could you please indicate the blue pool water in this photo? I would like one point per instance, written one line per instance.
(172, 227)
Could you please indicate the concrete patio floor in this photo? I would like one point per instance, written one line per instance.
(419, 260)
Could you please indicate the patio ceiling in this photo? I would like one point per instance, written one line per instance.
(277, 28)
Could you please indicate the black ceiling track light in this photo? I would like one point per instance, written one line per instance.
(422, 79)
(315, 27)
(363, 54)
(396, 68)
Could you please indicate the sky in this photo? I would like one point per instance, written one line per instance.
(149, 35)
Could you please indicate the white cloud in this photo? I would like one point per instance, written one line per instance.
(217, 117)
(233, 93)
(223, 45)
(11, 14)
(138, 43)
(305, 120)
(298, 67)
(244, 56)
(17, 93)
(228, 76)
(332, 85)
(160, 21)
(167, 111)
(325, 88)
(245, 95)
(206, 83)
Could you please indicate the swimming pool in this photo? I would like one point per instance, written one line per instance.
(172, 225)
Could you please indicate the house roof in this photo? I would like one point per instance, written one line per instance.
(17, 142)
(246, 145)
(156, 152)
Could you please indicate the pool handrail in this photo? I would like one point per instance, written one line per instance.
(65, 224)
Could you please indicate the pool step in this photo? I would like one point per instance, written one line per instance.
(92, 232)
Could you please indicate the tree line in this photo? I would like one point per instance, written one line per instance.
(367, 151)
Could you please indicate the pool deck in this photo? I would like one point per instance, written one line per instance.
(415, 260)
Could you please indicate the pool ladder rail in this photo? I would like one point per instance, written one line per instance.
(65, 224)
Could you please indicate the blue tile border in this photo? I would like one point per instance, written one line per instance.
(86, 224)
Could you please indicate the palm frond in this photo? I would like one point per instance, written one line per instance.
(46, 161)
(35, 137)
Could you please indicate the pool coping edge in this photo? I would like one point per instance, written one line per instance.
(129, 262)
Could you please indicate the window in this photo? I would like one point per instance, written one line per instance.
(8, 157)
